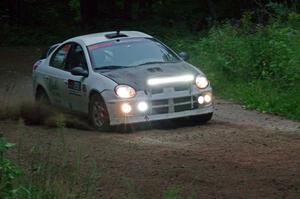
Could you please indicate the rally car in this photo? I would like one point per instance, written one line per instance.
(122, 78)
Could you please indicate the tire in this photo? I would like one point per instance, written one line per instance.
(98, 114)
(202, 119)
(42, 97)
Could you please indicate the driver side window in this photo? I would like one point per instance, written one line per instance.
(59, 58)
(76, 58)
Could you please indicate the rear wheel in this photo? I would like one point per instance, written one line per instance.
(98, 113)
(42, 97)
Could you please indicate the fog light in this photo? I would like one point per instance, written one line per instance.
(207, 98)
(126, 108)
(143, 106)
(201, 100)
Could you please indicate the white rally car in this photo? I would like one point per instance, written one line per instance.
(122, 78)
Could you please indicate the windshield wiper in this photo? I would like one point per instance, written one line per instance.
(155, 62)
(111, 67)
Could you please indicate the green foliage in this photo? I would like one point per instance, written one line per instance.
(260, 64)
(8, 172)
(278, 8)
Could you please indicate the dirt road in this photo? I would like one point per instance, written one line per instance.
(239, 154)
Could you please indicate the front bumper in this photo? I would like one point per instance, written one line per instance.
(149, 118)
(169, 104)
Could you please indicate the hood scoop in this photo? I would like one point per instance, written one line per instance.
(153, 70)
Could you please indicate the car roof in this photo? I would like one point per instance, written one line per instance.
(95, 38)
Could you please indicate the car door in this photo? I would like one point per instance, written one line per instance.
(57, 75)
(75, 86)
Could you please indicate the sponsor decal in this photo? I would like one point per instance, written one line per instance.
(101, 45)
(74, 85)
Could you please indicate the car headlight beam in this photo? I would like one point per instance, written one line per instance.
(201, 82)
(124, 91)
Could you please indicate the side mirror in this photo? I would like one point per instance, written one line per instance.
(184, 56)
(78, 71)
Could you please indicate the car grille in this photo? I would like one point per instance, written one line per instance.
(172, 99)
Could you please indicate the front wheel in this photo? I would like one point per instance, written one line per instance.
(98, 114)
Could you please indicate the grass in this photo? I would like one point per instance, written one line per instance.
(132, 191)
(175, 193)
(49, 171)
(45, 170)
(264, 97)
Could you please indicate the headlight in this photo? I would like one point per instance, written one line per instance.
(124, 91)
(201, 82)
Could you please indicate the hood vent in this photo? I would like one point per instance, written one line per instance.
(153, 70)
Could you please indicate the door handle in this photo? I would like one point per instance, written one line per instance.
(46, 77)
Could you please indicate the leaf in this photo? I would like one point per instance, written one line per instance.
(4, 145)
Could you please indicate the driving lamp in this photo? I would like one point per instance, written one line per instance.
(143, 106)
(126, 108)
(201, 82)
(207, 98)
(124, 91)
(201, 100)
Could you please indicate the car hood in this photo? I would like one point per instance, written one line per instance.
(137, 77)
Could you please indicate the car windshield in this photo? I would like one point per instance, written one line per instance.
(128, 53)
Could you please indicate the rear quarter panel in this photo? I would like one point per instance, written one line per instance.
(38, 77)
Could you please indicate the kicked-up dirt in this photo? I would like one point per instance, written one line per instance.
(239, 154)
